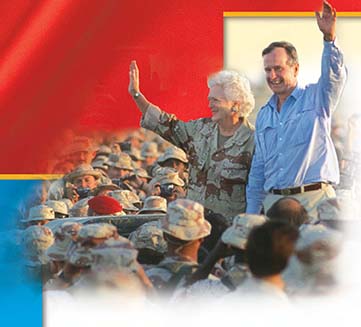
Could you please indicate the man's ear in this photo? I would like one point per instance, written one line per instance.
(297, 66)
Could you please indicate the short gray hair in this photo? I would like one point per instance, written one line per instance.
(236, 88)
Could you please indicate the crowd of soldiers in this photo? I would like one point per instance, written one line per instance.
(117, 224)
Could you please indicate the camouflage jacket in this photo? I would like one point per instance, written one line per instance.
(162, 274)
(217, 176)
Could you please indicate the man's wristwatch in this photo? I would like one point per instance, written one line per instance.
(136, 95)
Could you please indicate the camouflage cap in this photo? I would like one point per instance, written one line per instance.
(64, 236)
(149, 149)
(80, 208)
(140, 172)
(98, 230)
(135, 154)
(173, 152)
(343, 207)
(149, 236)
(123, 162)
(237, 234)
(154, 203)
(127, 199)
(36, 240)
(104, 187)
(114, 255)
(100, 162)
(113, 157)
(185, 220)
(80, 256)
(68, 228)
(82, 170)
(58, 206)
(166, 175)
(103, 150)
(40, 212)
(319, 240)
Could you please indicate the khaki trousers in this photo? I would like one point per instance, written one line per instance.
(309, 200)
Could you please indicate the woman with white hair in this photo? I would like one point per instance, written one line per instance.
(219, 148)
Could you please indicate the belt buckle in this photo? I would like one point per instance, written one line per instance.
(286, 191)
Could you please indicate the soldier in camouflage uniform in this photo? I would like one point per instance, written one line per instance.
(39, 215)
(64, 234)
(76, 184)
(167, 184)
(60, 208)
(313, 268)
(219, 149)
(79, 257)
(114, 274)
(149, 241)
(129, 200)
(184, 228)
(35, 241)
(231, 247)
(154, 205)
(176, 158)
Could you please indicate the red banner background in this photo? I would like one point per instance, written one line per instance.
(64, 65)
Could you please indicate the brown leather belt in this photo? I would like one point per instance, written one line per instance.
(297, 190)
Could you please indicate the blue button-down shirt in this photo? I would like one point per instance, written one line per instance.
(294, 146)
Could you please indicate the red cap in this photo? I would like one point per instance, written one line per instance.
(104, 205)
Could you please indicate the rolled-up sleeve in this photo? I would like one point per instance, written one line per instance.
(167, 126)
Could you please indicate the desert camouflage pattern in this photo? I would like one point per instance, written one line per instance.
(64, 234)
(114, 255)
(135, 154)
(100, 230)
(123, 161)
(58, 206)
(140, 172)
(236, 275)
(185, 220)
(80, 256)
(35, 241)
(320, 242)
(103, 150)
(126, 198)
(40, 212)
(149, 149)
(149, 236)
(82, 170)
(343, 207)
(107, 186)
(161, 274)
(173, 152)
(166, 175)
(100, 162)
(237, 234)
(80, 208)
(154, 203)
(217, 176)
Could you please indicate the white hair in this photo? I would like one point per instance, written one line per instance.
(236, 88)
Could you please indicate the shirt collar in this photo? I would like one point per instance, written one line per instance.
(296, 93)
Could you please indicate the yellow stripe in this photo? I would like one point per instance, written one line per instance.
(284, 14)
(30, 176)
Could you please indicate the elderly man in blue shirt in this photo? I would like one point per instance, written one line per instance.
(295, 155)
